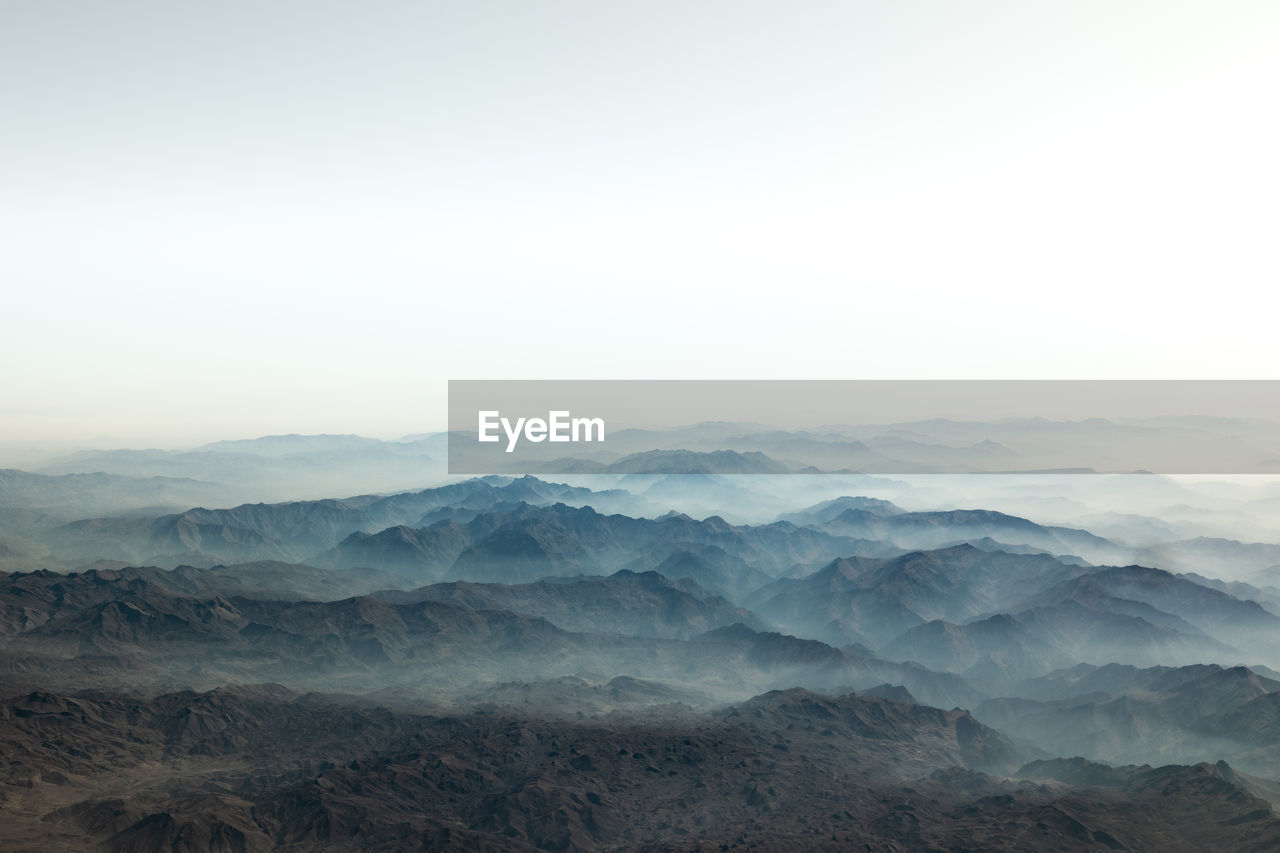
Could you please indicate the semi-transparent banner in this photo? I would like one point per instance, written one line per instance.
(863, 426)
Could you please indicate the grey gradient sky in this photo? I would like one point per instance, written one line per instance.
(228, 219)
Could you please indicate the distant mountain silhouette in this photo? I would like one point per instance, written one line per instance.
(677, 462)
(297, 530)
(532, 542)
(936, 529)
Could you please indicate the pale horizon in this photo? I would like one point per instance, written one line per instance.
(244, 220)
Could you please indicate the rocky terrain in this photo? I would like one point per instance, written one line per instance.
(261, 768)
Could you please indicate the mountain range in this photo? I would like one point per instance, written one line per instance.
(514, 664)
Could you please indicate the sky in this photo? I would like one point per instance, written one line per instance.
(223, 220)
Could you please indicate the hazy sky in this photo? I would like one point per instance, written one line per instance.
(229, 219)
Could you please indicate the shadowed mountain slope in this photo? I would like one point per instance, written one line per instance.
(640, 605)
